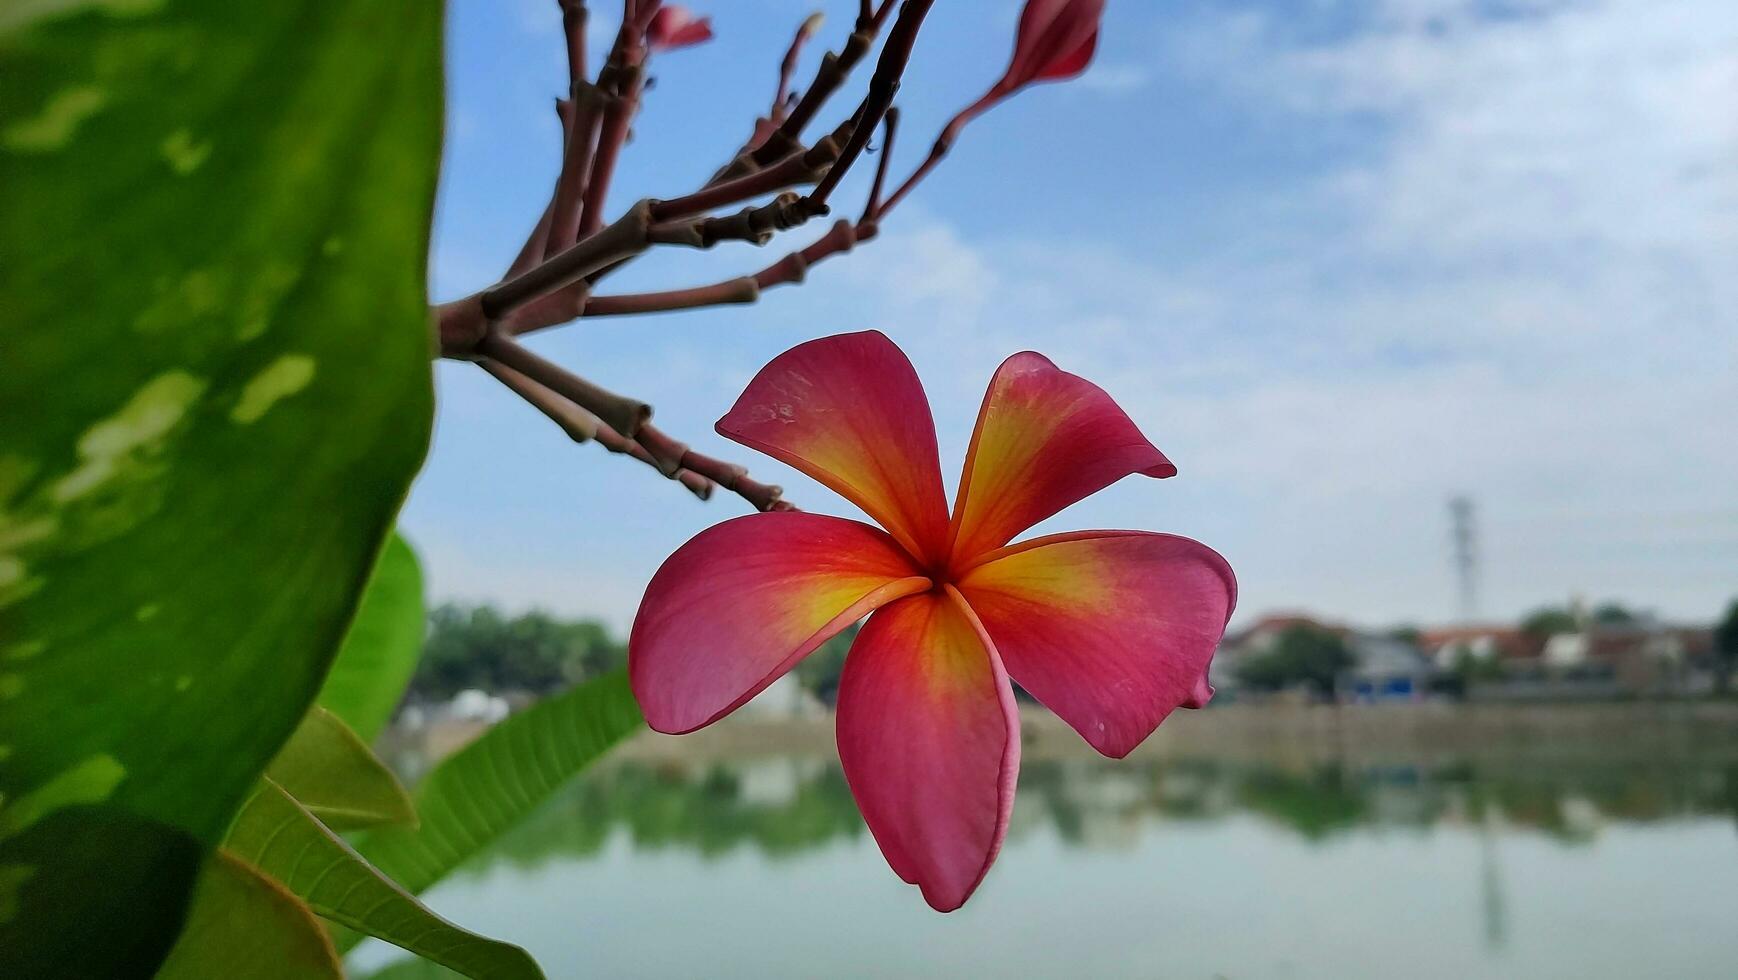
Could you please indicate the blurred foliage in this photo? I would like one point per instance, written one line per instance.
(1301, 656)
(819, 671)
(380, 653)
(1542, 624)
(1726, 648)
(480, 647)
(1613, 614)
(471, 798)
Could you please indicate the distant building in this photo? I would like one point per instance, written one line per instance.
(1642, 655)
(474, 705)
(1446, 646)
(1385, 668)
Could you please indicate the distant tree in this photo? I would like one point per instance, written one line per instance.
(1305, 655)
(1726, 648)
(1542, 624)
(819, 671)
(477, 646)
(1613, 614)
(1469, 667)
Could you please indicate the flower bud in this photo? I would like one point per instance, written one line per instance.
(677, 27)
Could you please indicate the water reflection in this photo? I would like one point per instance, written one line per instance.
(1511, 863)
(784, 806)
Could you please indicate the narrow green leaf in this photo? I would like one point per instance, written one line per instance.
(409, 968)
(279, 836)
(243, 924)
(374, 665)
(213, 235)
(488, 786)
(329, 771)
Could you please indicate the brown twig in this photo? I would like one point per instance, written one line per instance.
(794, 169)
(781, 105)
(615, 442)
(582, 426)
(835, 67)
(741, 290)
(872, 207)
(756, 225)
(625, 415)
(791, 269)
(573, 23)
(621, 80)
(586, 104)
(579, 424)
(674, 457)
(624, 237)
(883, 85)
(938, 151)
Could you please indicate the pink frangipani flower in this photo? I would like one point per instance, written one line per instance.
(677, 27)
(1112, 630)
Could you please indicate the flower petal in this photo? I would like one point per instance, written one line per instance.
(1045, 439)
(1202, 695)
(930, 742)
(850, 412)
(742, 602)
(1109, 629)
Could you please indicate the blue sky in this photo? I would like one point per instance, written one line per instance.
(1340, 260)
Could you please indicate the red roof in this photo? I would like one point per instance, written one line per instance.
(1509, 641)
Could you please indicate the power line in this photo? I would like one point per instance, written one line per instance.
(1464, 537)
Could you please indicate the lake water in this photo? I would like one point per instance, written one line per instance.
(1181, 868)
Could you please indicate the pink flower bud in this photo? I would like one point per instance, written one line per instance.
(677, 27)
(1056, 40)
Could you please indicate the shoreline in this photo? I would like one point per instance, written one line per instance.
(1616, 733)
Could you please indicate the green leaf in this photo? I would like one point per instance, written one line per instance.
(50, 868)
(374, 665)
(243, 924)
(279, 836)
(213, 232)
(488, 786)
(329, 771)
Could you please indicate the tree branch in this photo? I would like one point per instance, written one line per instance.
(586, 103)
(790, 269)
(625, 415)
(573, 22)
(738, 291)
(872, 207)
(883, 85)
(625, 237)
(579, 424)
(582, 426)
(673, 457)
